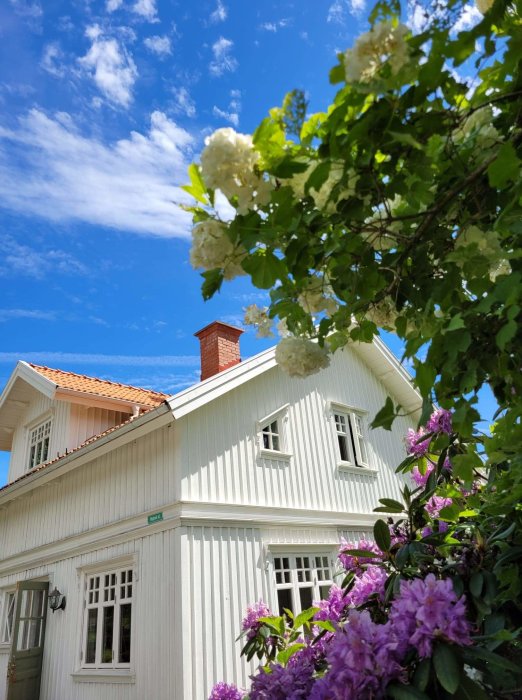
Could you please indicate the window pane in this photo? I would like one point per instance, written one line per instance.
(37, 604)
(284, 599)
(125, 633)
(266, 441)
(45, 450)
(90, 646)
(343, 448)
(108, 627)
(323, 591)
(306, 598)
(275, 442)
(9, 617)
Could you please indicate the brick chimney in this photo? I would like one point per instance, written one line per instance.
(219, 345)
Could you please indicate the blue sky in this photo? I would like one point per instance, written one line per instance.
(103, 104)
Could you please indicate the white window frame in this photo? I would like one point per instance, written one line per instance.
(6, 636)
(357, 456)
(90, 602)
(271, 427)
(32, 429)
(289, 572)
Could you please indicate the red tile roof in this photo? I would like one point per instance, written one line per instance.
(101, 387)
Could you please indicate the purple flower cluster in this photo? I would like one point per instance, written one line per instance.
(226, 691)
(250, 623)
(291, 682)
(362, 661)
(333, 607)
(352, 563)
(421, 479)
(426, 610)
(441, 527)
(436, 504)
(439, 422)
(414, 444)
(371, 581)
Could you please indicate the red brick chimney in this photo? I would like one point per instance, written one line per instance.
(219, 345)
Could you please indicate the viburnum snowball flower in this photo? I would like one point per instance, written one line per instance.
(227, 164)
(212, 248)
(354, 563)
(362, 660)
(300, 357)
(316, 296)
(250, 623)
(439, 422)
(254, 316)
(383, 314)
(426, 610)
(226, 691)
(383, 44)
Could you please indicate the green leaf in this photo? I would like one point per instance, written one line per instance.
(360, 553)
(505, 167)
(391, 505)
(197, 187)
(474, 654)
(399, 691)
(505, 334)
(476, 583)
(406, 139)
(424, 377)
(325, 625)
(469, 690)
(385, 416)
(286, 654)
(447, 667)
(303, 617)
(381, 532)
(421, 676)
(264, 268)
(212, 284)
(337, 74)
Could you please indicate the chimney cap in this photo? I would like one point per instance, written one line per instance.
(215, 324)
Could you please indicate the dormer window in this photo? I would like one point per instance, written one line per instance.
(272, 435)
(352, 446)
(39, 444)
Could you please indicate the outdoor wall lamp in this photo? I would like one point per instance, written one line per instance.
(56, 600)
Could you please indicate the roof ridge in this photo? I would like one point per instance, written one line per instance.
(97, 379)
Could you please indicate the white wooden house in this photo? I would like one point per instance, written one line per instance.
(161, 518)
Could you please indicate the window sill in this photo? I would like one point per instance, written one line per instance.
(95, 675)
(275, 454)
(353, 469)
(5, 647)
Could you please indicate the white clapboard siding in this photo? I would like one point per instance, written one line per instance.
(86, 421)
(132, 479)
(220, 458)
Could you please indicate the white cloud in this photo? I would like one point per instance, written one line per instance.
(469, 17)
(28, 9)
(232, 117)
(49, 169)
(113, 5)
(33, 314)
(52, 60)
(57, 358)
(146, 8)
(110, 66)
(183, 102)
(160, 45)
(275, 26)
(223, 60)
(219, 14)
(339, 9)
(17, 259)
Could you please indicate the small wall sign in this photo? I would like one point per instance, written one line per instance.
(154, 518)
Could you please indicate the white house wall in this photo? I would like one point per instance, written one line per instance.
(132, 479)
(220, 459)
(86, 421)
(40, 407)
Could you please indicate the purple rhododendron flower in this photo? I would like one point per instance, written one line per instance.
(398, 534)
(371, 581)
(436, 504)
(226, 691)
(352, 563)
(333, 607)
(413, 446)
(362, 661)
(442, 527)
(291, 682)
(421, 479)
(426, 610)
(439, 422)
(250, 623)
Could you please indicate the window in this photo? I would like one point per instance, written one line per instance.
(8, 617)
(351, 440)
(108, 619)
(39, 444)
(272, 436)
(301, 579)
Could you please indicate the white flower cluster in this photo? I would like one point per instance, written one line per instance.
(488, 246)
(484, 5)
(317, 296)
(255, 316)
(299, 357)
(323, 197)
(379, 231)
(212, 248)
(228, 164)
(478, 126)
(384, 43)
(383, 314)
